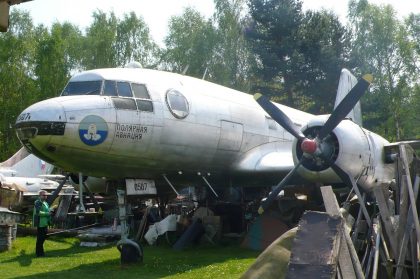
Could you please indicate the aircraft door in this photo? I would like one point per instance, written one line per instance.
(231, 134)
(132, 121)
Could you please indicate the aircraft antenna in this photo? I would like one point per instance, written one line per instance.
(185, 69)
(205, 73)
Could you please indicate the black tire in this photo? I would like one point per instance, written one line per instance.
(129, 254)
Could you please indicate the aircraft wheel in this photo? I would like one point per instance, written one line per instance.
(130, 254)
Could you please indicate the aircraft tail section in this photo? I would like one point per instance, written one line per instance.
(24, 164)
(346, 83)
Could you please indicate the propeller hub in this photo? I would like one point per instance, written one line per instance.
(309, 146)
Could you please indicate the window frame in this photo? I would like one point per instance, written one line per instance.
(129, 86)
(84, 81)
(143, 99)
(118, 97)
(174, 111)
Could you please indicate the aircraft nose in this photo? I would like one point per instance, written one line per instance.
(36, 124)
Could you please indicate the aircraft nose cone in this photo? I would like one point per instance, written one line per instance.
(36, 124)
(308, 146)
(44, 111)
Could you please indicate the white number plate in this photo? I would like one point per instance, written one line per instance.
(140, 187)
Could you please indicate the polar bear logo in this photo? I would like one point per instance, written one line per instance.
(92, 133)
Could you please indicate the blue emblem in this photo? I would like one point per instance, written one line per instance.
(93, 130)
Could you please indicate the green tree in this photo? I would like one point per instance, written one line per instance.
(323, 46)
(100, 42)
(300, 55)
(17, 86)
(190, 43)
(214, 48)
(134, 43)
(381, 46)
(413, 27)
(231, 60)
(56, 56)
(111, 42)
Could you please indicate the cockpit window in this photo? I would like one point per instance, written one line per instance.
(177, 103)
(83, 88)
(144, 103)
(110, 88)
(124, 89)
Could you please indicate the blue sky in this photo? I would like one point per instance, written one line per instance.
(156, 13)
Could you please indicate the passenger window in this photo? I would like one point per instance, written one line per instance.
(110, 88)
(140, 91)
(124, 103)
(177, 103)
(145, 105)
(124, 89)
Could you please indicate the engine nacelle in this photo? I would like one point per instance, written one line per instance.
(95, 184)
(357, 151)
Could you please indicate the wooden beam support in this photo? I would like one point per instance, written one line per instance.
(413, 206)
(407, 232)
(349, 252)
(316, 259)
(386, 219)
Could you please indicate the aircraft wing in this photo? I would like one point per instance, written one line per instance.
(393, 148)
(273, 157)
(415, 144)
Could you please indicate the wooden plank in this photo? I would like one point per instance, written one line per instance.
(359, 218)
(414, 255)
(403, 210)
(398, 178)
(316, 259)
(330, 201)
(376, 257)
(348, 260)
(386, 219)
(413, 206)
(407, 231)
(344, 260)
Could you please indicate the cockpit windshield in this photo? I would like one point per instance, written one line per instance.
(83, 88)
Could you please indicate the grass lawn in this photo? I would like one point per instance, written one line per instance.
(66, 259)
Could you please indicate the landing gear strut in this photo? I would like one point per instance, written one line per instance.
(131, 252)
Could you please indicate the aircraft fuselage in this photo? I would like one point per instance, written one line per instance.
(137, 123)
(184, 126)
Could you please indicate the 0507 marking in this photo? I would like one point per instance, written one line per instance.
(24, 116)
(141, 186)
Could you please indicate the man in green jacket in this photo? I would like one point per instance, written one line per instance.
(41, 220)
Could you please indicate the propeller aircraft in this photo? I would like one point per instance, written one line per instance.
(154, 131)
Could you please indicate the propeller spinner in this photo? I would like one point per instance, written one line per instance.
(319, 147)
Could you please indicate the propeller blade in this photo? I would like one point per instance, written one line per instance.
(346, 105)
(279, 116)
(349, 180)
(271, 197)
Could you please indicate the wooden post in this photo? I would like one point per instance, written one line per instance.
(316, 259)
(376, 258)
(361, 201)
(386, 219)
(403, 210)
(359, 217)
(407, 232)
(413, 206)
(332, 208)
